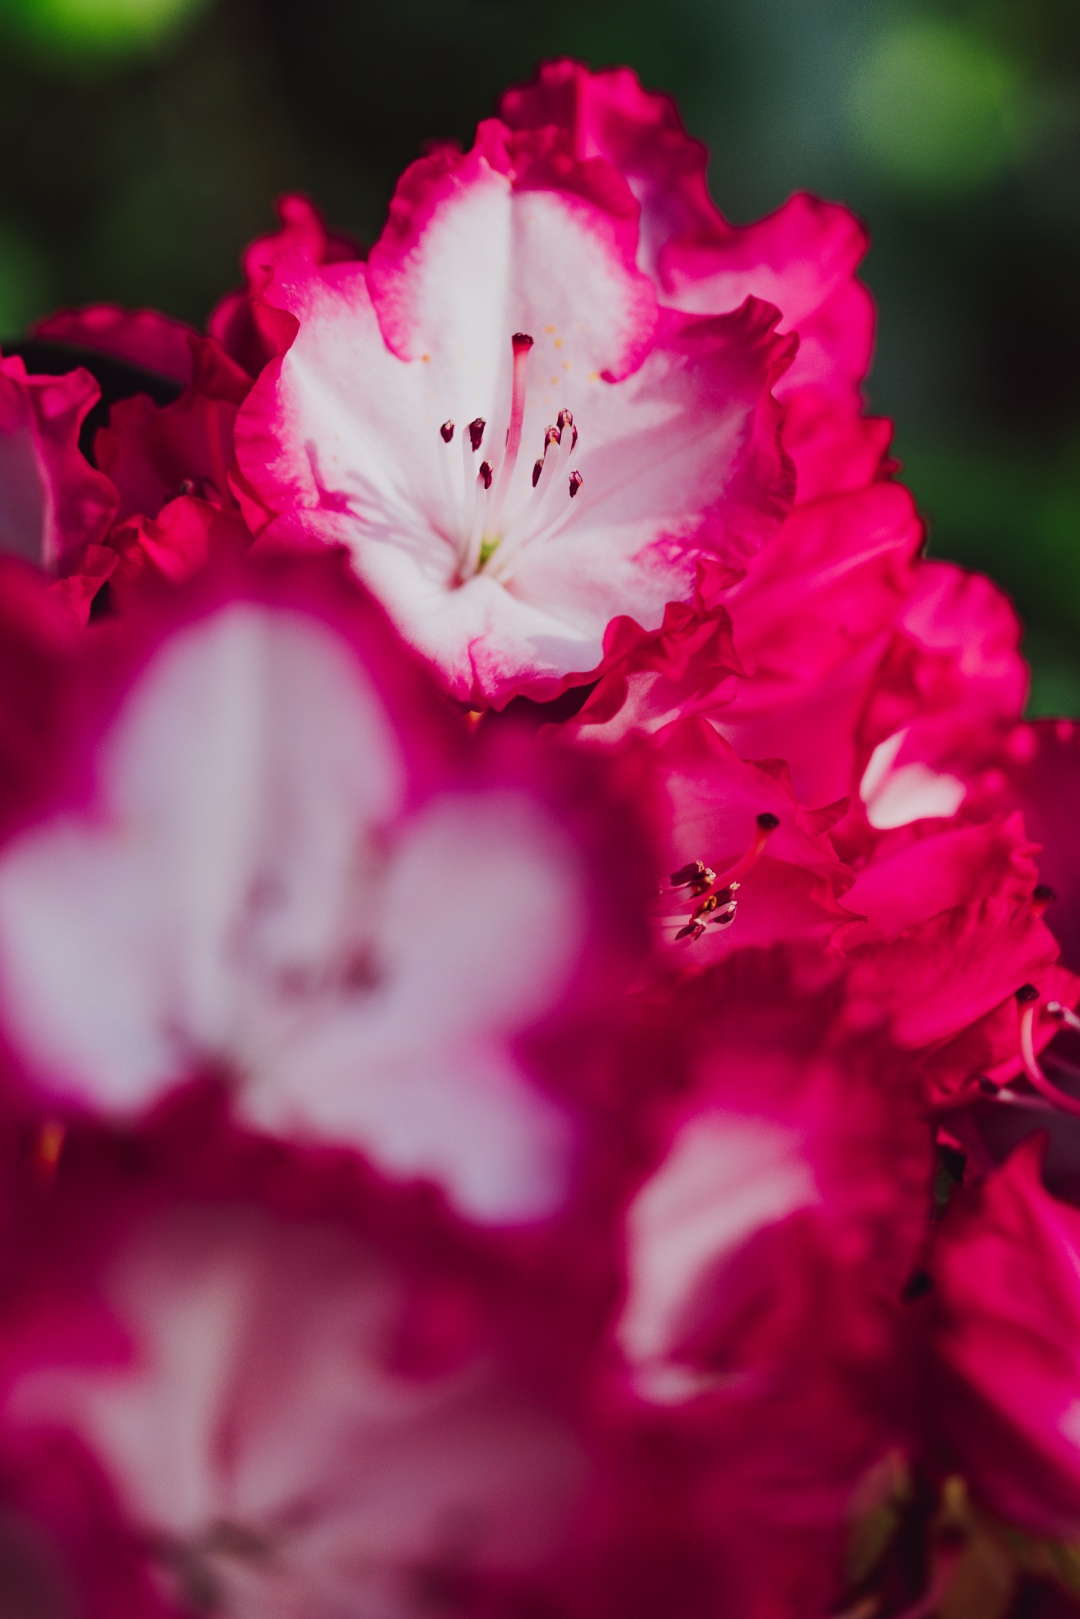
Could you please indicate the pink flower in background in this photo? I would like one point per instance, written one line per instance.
(1007, 1396)
(272, 1416)
(494, 416)
(242, 323)
(767, 1247)
(279, 868)
(153, 454)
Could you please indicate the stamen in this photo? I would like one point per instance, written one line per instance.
(576, 481)
(538, 467)
(695, 872)
(1032, 1067)
(485, 474)
(563, 420)
(476, 432)
(721, 904)
(1056, 1010)
(447, 432)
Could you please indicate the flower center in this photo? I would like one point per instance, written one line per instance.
(488, 525)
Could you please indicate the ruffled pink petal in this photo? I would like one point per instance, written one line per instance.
(52, 502)
(803, 259)
(641, 134)
(237, 322)
(142, 336)
(1007, 1324)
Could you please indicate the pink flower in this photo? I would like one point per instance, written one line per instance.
(52, 502)
(273, 862)
(493, 414)
(275, 1417)
(767, 1248)
(1006, 1336)
(793, 1134)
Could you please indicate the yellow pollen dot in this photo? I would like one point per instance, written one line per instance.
(549, 330)
(426, 358)
(558, 342)
(554, 382)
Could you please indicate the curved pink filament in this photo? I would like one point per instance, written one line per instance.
(1033, 1068)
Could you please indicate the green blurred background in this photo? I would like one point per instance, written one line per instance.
(142, 142)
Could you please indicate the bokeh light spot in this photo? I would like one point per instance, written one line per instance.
(98, 29)
(934, 107)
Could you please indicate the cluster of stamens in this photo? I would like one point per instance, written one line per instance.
(716, 895)
(486, 487)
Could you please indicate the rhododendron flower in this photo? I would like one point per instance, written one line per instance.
(288, 1417)
(53, 504)
(277, 872)
(1007, 1302)
(493, 414)
(767, 1248)
(794, 1137)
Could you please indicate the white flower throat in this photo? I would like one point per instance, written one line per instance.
(491, 533)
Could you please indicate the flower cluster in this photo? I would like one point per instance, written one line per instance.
(538, 1063)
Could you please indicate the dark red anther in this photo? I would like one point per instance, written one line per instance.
(522, 342)
(538, 467)
(565, 418)
(1043, 894)
(447, 431)
(551, 436)
(485, 474)
(1026, 993)
(476, 432)
(768, 822)
(576, 481)
(693, 930)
